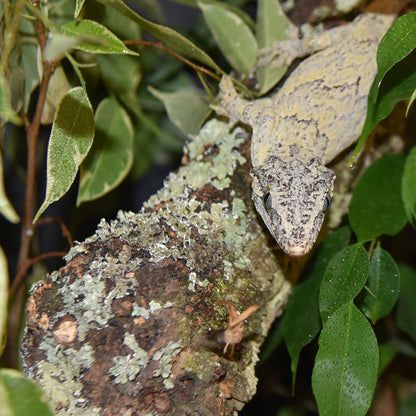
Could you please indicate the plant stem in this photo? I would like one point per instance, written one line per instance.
(32, 134)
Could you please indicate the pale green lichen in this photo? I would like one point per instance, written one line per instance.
(65, 365)
(128, 366)
(166, 356)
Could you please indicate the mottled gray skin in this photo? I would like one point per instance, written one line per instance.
(317, 113)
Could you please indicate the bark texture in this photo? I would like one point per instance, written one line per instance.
(134, 323)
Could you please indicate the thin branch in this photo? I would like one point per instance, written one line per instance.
(65, 232)
(160, 46)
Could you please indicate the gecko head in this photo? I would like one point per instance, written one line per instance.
(292, 197)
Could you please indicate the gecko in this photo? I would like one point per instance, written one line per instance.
(304, 124)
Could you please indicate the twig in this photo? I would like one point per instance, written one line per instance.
(160, 46)
(65, 232)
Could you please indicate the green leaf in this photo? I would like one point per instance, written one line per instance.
(232, 35)
(411, 101)
(6, 111)
(301, 321)
(344, 278)
(383, 285)
(29, 53)
(397, 85)
(234, 9)
(4, 287)
(120, 73)
(57, 88)
(376, 207)
(70, 140)
(387, 354)
(6, 207)
(186, 108)
(111, 155)
(20, 396)
(272, 25)
(168, 36)
(95, 38)
(408, 407)
(345, 371)
(408, 186)
(406, 308)
(398, 42)
(78, 7)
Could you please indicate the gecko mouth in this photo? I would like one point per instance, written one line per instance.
(296, 251)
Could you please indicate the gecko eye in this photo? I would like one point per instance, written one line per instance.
(267, 200)
(327, 202)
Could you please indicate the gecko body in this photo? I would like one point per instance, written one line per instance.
(317, 113)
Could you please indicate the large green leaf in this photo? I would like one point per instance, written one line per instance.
(408, 186)
(70, 140)
(406, 309)
(272, 25)
(168, 36)
(186, 108)
(232, 35)
(111, 155)
(383, 284)
(398, 43)
(345, 371)
(376, 207)
(20, 396)
(4, 286)
(396, 78)
(95, 38)
(301, 321)
(344, 278)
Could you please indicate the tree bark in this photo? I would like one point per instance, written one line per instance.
(134, 323)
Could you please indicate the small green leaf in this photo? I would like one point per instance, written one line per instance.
(186, 108)
(29, 53)
(70, 140)
(6, 111)
(78, 7)
(408, 186)
(344, 278)
(411, 101)
(345, 371)
(383, 286)
(168, 36)
(301, 321)
(232, 35)
(387, 353)
(111, 155)
(272, 25)
(376, 207)
(20, 396)
(4, 287)
(6, 207)
(95, 38)
(406, 308)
